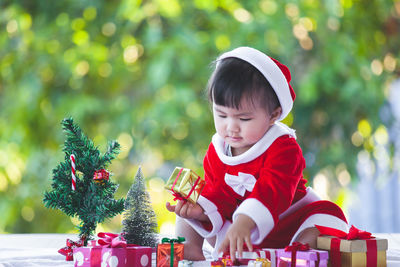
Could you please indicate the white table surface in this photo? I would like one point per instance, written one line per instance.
(26, 250)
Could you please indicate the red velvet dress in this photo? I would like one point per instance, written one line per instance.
(265, 183)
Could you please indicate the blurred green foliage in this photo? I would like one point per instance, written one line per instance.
(136, 71)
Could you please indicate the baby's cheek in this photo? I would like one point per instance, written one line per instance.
(253, 137)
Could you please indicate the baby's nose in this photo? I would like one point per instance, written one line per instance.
(233, 126)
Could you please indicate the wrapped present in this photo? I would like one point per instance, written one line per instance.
(217, 263)
(355, 248)
(185, 263)
(100, 176)
(67, 251)
(264, 255)
(112, 250)
(270, 254)
(227, 261)
(185, 184)
(259, 262)
(300, 255)
(170, 252)
(246, 257)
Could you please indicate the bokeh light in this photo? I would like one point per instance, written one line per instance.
(136, 72)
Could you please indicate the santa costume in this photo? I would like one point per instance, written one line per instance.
(266, 182)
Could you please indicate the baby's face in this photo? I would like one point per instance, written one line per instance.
(241, 128)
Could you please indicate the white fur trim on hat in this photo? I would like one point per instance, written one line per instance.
(271, 72)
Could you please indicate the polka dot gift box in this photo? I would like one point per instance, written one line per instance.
(110, 252)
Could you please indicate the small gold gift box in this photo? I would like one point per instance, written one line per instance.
(355, 253)
(259, 262)
(185, 184)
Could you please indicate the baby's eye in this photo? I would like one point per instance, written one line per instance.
(222, 116)
(245, 119)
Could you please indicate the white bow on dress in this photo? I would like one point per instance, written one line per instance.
(241, 182)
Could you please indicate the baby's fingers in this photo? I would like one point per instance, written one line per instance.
(183, 211)
(170, 208)
(232, 249)
(222, 248)
(248, 243)
(178, 207)
(240, 247)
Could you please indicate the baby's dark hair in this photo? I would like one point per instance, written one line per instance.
(235, 78)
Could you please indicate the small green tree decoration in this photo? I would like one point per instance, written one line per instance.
(139, 219)
(92, 201)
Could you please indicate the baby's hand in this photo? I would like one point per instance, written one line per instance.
(186, 210)
(238, 234)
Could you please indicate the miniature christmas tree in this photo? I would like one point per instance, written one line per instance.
(139, 224)
(81, 186)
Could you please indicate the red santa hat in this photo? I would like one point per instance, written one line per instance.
(277, 74)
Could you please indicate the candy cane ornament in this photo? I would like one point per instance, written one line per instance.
(72, 157)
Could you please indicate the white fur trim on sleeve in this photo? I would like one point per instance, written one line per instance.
(261, 216)
(212, 212)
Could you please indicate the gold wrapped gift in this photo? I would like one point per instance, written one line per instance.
(259, 262)
(355, 253)
(185, 184)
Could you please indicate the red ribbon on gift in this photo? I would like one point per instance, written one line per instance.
(179, 196)
(68, 250)
(353, 234)
(294, 247)
(110, 240)
(101, 175)
(106, 240)
(227, 261)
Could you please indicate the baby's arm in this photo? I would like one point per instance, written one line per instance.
(187, 210)
(194, 242)
(238, 234)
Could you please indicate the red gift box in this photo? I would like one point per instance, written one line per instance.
(112, 253)
(112, 257)
(170, 252)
